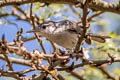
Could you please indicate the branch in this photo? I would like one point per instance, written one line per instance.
(96, 4)
(46, 70)
(4, 52)
(13, 13)
(91, 62)
(17, 61)
(33, 25)
(78, 75)
(84, 23)
(8, 61)
(40, 77)
(108, 74)
(9, 74)
(27, 16)
(60, 77)
(91, 17)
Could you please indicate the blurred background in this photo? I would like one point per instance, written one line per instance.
(105, 24)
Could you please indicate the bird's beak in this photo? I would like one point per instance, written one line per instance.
(34, 30)
(31, 31)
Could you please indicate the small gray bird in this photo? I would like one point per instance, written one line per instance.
(64, 33)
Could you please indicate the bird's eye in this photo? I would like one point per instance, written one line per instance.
(43, 27)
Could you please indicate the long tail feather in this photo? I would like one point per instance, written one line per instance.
(99, 38)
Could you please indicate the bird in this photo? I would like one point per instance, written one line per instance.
(64, 33)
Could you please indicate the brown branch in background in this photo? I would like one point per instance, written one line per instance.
(11, 74)
(14, 13)
(62, 57)
(4, 49)
(94, 15)
(27, 71)
(40, 41)
(19, 9)
(54, 46)
(4, 52)
(78, 74)
(84, 22)
(27, 18)
(94, 63)
(31, 59)
(36, 19)
(91, 17)
(32, 19)
(19, 34)
(40, 77)
(91, 62)
(25, 39)
(60, 77)
(40, 55)
(108, 74)
(8, 61)
(85, 13)
(17, 61)
(49, 72)
(74, 10)
(95, 4)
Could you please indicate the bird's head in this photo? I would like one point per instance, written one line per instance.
(44, 28)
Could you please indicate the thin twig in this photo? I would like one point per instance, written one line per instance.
(108, 74)
(8, 61)
(55, 77)
(32, 19)
(60, 77)
(54, 46)
(91, 62)
(91, 17)
(17, 61)
(4, 49)
(27, 71)
(36, 18)
(10, 74)
(78, 75)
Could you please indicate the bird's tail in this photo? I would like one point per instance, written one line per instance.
(98, 38)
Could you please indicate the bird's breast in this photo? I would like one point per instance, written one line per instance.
(65, 39)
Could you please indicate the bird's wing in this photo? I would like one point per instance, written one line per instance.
(67, 25)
